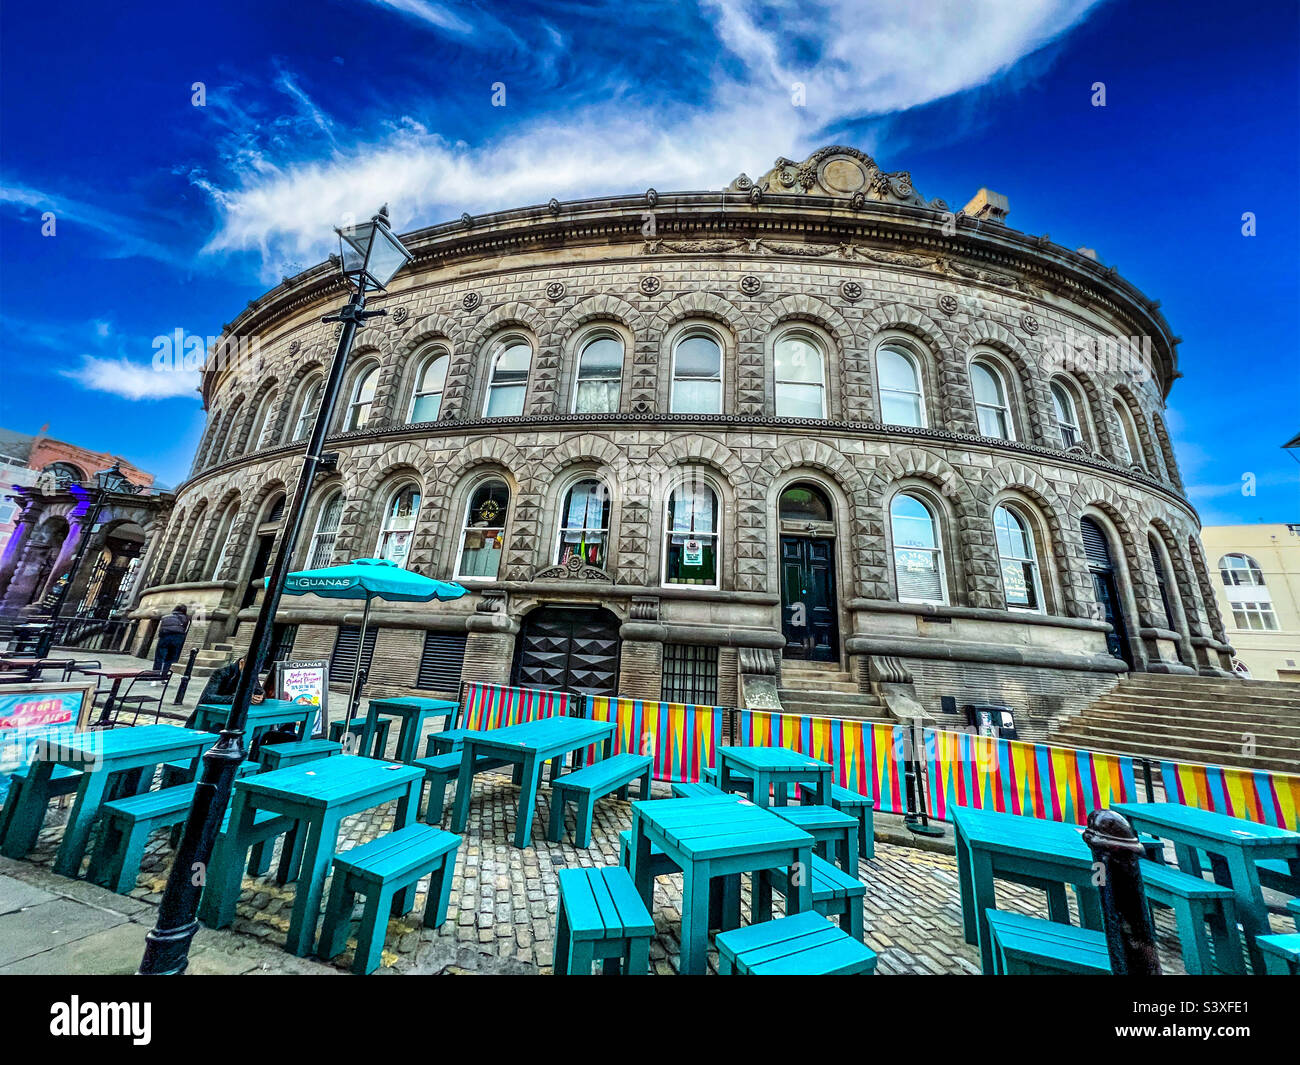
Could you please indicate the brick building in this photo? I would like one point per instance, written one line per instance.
(811, 437)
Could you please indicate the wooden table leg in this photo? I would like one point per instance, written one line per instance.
(800, 899)
(90, 793)
(530, 771)
(695, 919)
(985, 898)
(640, 858)
(225, 874)
(408, 807)
(1239, 874)
(464, 786)
(322, 837)
(25, 825)
(966, 888)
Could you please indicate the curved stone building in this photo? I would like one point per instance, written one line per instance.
(812, 439)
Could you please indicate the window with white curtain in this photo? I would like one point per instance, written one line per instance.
(800, 377)
(992, 409)
(307, 408)
(584, 524)
(399, 525)
(1021, 582)
(691, 535)
(918, 553)
(326, 532)
(600, 374)
(697, 375)
(508, 379)
(902, 399)
(426, 403)
(483, 537)
(363, 398)
(1067, 415)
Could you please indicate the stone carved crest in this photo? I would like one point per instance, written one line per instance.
(574, 569)
(651, 285)
(851, 291)
(839, 172)
(555, 291)
(400, 315)
(751, 285)
(470, 300)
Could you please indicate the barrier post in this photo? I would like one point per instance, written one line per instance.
(1130, 935)
(185, 679)
(916, 820)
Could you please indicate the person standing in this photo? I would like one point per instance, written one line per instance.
(171, 637)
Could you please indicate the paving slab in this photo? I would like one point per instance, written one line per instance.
(48, 925)
(16, 894)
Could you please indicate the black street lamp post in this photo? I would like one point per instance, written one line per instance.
(370, 255)
(107, 482)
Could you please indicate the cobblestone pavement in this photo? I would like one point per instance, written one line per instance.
(502, 912)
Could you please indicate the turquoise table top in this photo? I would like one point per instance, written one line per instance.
(429, 706)
(110, 745)
(544, 733)
(330, 781)
(772, 758)
(1208, 824)
(1017, 834)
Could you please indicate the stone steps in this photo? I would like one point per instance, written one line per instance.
(823, 689)
(1112, 735)
(1141, 726)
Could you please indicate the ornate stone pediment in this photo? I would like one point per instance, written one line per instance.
(573, 570)
(841, 173)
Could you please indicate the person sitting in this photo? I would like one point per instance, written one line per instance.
(220, 689)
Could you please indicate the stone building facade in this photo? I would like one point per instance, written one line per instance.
(677, 443)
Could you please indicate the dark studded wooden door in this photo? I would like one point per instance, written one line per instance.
(566, 649)
(808, 606)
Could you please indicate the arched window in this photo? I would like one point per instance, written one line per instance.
(231, 444)
(1238, 569)
(902, 400)
(221, 541)
(584, 524)
(992, 410)
(399, 525)
(508, 380)
(1129, 452)
(691, 535)
(426, 404)
(326, 532)
(483, 537)
(697, 375)
(600, 374)
(801, 503)
(1022, 587)
(800, 378)
(260, 431)
(1158, 564)
(918, 555)
(363, 398)
(307, 408)
(1067, 415)
(64, 474)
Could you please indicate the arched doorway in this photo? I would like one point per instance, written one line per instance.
(108, 585)
(1105, 590)
(809, 607)
(568, 649)
(267, 529)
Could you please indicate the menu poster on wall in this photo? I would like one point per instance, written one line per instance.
(36, 714)
(306, 683)
(693, 553)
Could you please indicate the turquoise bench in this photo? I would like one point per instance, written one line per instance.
(449, 739)
(696, 791)
(860, 806)
(1293, 908)
(1197, 904)
(357, 727)
(601, 918)
(126, 824)
(379, 870)
(836, 832)
(724, 891)
(1275, 873)
(1031, 946)
(175, 774)
(835, 893)
(584, 786)
(282, 755)
(804, 944)
(63, 781)
(1281, 953)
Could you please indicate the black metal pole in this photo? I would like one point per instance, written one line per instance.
(60, 597)
(1130, 935)
(167, 945)
(185, 679)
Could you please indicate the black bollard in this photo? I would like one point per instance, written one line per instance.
(185, 680)
(1130, 935)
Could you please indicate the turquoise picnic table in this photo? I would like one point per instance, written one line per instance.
(528, 746)
(413, 712)
(261, 716)
(774, 766)
(1233, 846)
(319, 795)
(1025, 850)
(718, 836)
(103, 755)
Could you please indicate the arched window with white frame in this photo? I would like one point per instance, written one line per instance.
(1129, 451)
(600, 375)
(362, 402)
(508, 378)
(308, 405)
(584, 524)
(992, 403)
(398, 528)
(691, 535)
(430, 383)
(800, 376)
(259, 433)
(483, 534)
(697, 375)
(231, 444)
(1239, 569)
(321, 547)
(902, 395)
(1247, 593)
(1066, 410)
(918, 550)
(1022, 585)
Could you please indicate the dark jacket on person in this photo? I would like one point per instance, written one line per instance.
(220, 689)
(176, 623)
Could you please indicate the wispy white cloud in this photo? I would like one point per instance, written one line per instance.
(853, 61)
(122, 377)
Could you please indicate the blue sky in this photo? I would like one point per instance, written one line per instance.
(170, 215)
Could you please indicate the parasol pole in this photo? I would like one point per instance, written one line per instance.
(356, 669)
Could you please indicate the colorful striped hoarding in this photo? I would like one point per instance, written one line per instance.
(1012, 776)
(868, 757)
(681, 737)
(490, 706)
(1253, 794)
